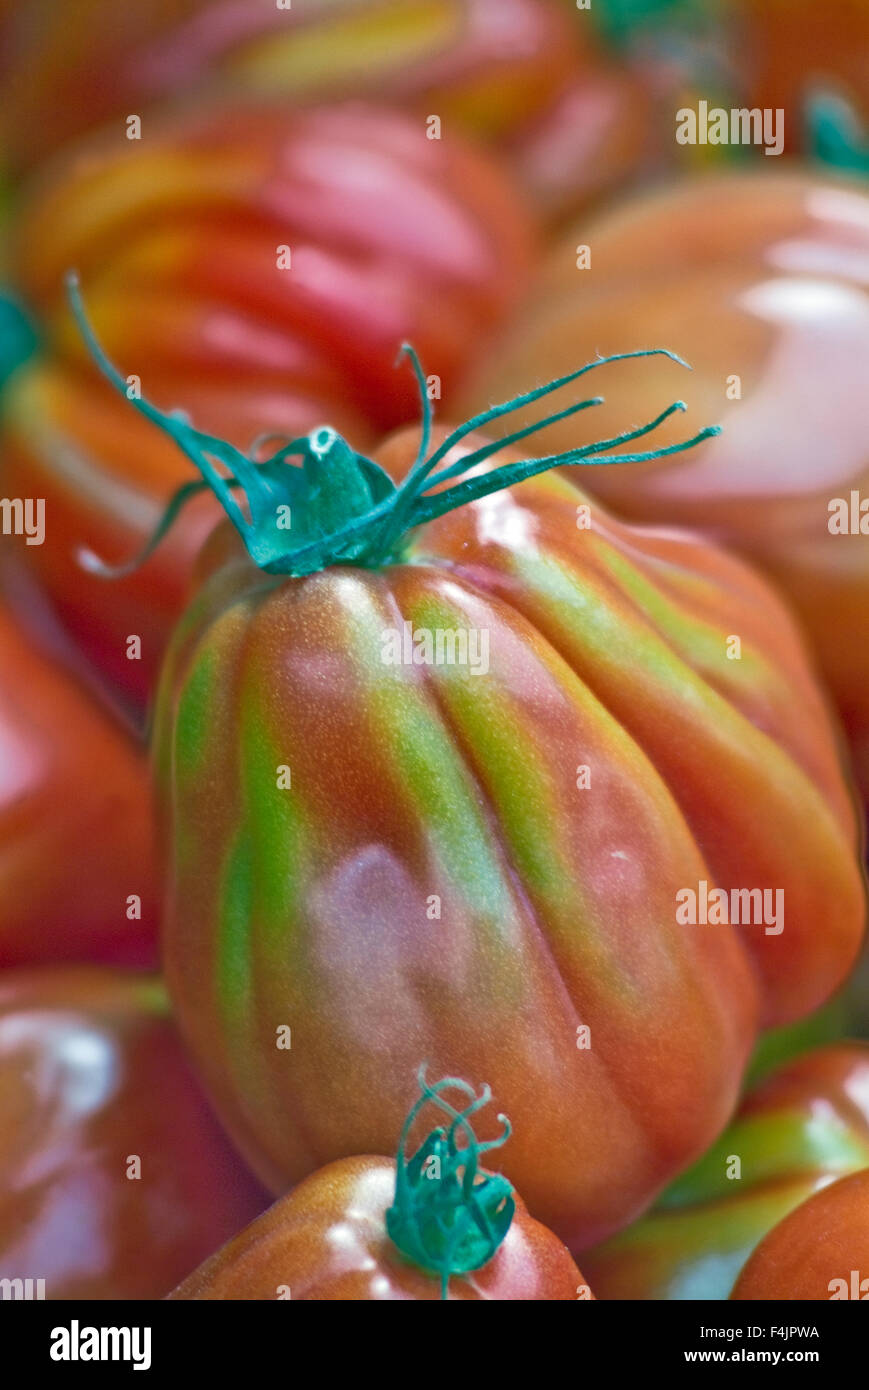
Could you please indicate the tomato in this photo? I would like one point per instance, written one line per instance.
(820, 1251)
(76, 836)
(760, 282)
(115, 1179)
(798, 1131)
(491, 863)
(517, 73)
(373, 1229)
(177, 239)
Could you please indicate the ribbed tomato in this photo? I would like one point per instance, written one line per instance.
(820, 1251)
(374, 1229)
(266, 265)
(457, 767)
(115, 1178)
(762, 283)
(77, 864)
(800, 1130)
(483, 857)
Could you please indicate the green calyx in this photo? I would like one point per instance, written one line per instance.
(333, 506)
(449, 1216)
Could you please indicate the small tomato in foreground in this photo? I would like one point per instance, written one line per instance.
(436, 1225)
(820, 1251)
(805, 1126)
(115, 1178)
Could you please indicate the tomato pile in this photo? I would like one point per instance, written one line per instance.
(417, 689)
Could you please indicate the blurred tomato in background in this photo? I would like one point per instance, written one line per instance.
(77, 861)
(115, 1179)
(518, 74)
(260, 267)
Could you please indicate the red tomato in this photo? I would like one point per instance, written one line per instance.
(820, 1251)
(328, 1240)
(762, 283)
(178, 240)
(372, 1230)
(802, 1128)
(309, 904)
(92, 1080)
(75, 819)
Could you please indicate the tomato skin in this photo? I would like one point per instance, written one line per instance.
(801, 1129)
(92, 1073)
(327, 1240)
(76, 818)
(759, 277)
(824, 1240)
(429, 244)
(309, 906)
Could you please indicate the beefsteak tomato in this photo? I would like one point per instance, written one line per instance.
(115, 1178)
(820, 1251)
(763, 283)
(77, 863)
(800, 1130)
(442, 768)
(269, 260)
(373, 1229)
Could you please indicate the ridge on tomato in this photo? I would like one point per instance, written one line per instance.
(801, 1129)
(435, 1224)
(479, 862)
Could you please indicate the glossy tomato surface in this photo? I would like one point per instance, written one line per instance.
(262, 266)
(798, 1131)
(76, 818)
(401, 861)
(327, 1240)
(92, 1079)
(820, 1251)
(762, 283)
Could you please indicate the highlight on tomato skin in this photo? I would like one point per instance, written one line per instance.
(802, 1128)
(115, 1177)
(382, 235)
(78, 872)
(410, 1228)
(760, 278)
(819, 1252)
